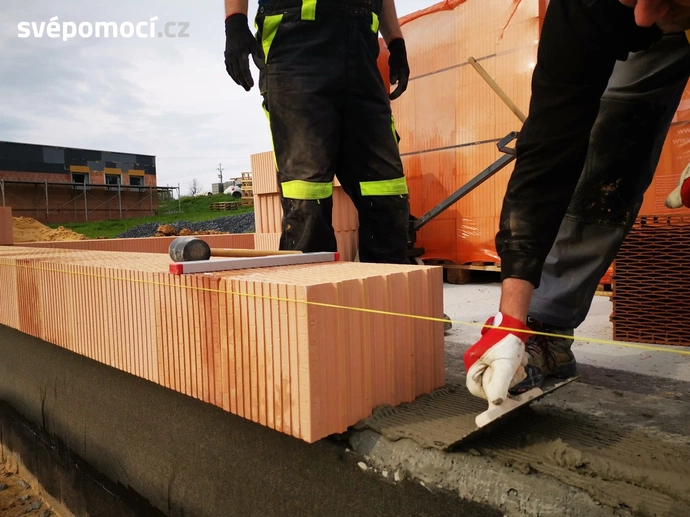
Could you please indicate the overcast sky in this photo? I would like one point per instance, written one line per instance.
(169, 97)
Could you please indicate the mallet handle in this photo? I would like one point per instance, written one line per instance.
(227, 252)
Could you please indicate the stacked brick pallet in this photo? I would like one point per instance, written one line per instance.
(268, 212)
(253, 342)
(651, 282)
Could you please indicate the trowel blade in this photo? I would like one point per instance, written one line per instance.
(448, 416)
(487, 419)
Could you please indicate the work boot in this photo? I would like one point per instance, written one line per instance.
(547, 356)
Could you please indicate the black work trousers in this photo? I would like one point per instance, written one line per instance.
(330, 116)
(625, 145)
(581, 41)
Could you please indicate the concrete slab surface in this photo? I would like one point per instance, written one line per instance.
(474, 303)
(614, 442)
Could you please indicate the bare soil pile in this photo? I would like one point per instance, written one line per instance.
(27, 229)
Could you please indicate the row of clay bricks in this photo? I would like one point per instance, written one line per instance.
(148, 244)
(252, 342)
(347, 243)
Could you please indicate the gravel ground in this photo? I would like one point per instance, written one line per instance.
(17, 497)
(242, 223)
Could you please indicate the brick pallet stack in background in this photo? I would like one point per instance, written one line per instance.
(651, 282)
(261, 344)
(268, 212)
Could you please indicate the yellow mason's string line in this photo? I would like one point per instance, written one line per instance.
(610, 342)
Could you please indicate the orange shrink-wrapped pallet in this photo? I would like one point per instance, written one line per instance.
(449, 119)
(6, 227)
(285, 346)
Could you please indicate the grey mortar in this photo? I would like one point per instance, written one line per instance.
(479, 479)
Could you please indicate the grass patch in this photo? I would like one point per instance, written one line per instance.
(193, 209)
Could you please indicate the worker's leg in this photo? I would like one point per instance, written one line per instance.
(625, 145)
(372, 172)
(302, 88)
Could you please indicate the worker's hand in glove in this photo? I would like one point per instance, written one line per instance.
(397, 64)
(680, 196)
(497, 361)
(239, 44)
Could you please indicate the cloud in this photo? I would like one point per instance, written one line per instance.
(170, 97)
(13, 124)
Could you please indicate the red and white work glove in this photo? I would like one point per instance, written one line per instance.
(680, 197)
(497, 361)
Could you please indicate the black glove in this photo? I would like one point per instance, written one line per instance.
(239, 43)
(399, 69)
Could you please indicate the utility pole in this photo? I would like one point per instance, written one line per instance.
(220, 175)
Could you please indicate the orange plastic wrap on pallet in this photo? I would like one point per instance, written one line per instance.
(450, 119)
(446, 5)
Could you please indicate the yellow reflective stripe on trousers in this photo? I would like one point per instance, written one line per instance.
(396, 187)
(268, 117)
(687, 35)
(395, 134)
(374, 23)
(309, 9)
(299, 189)
(270, 28)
